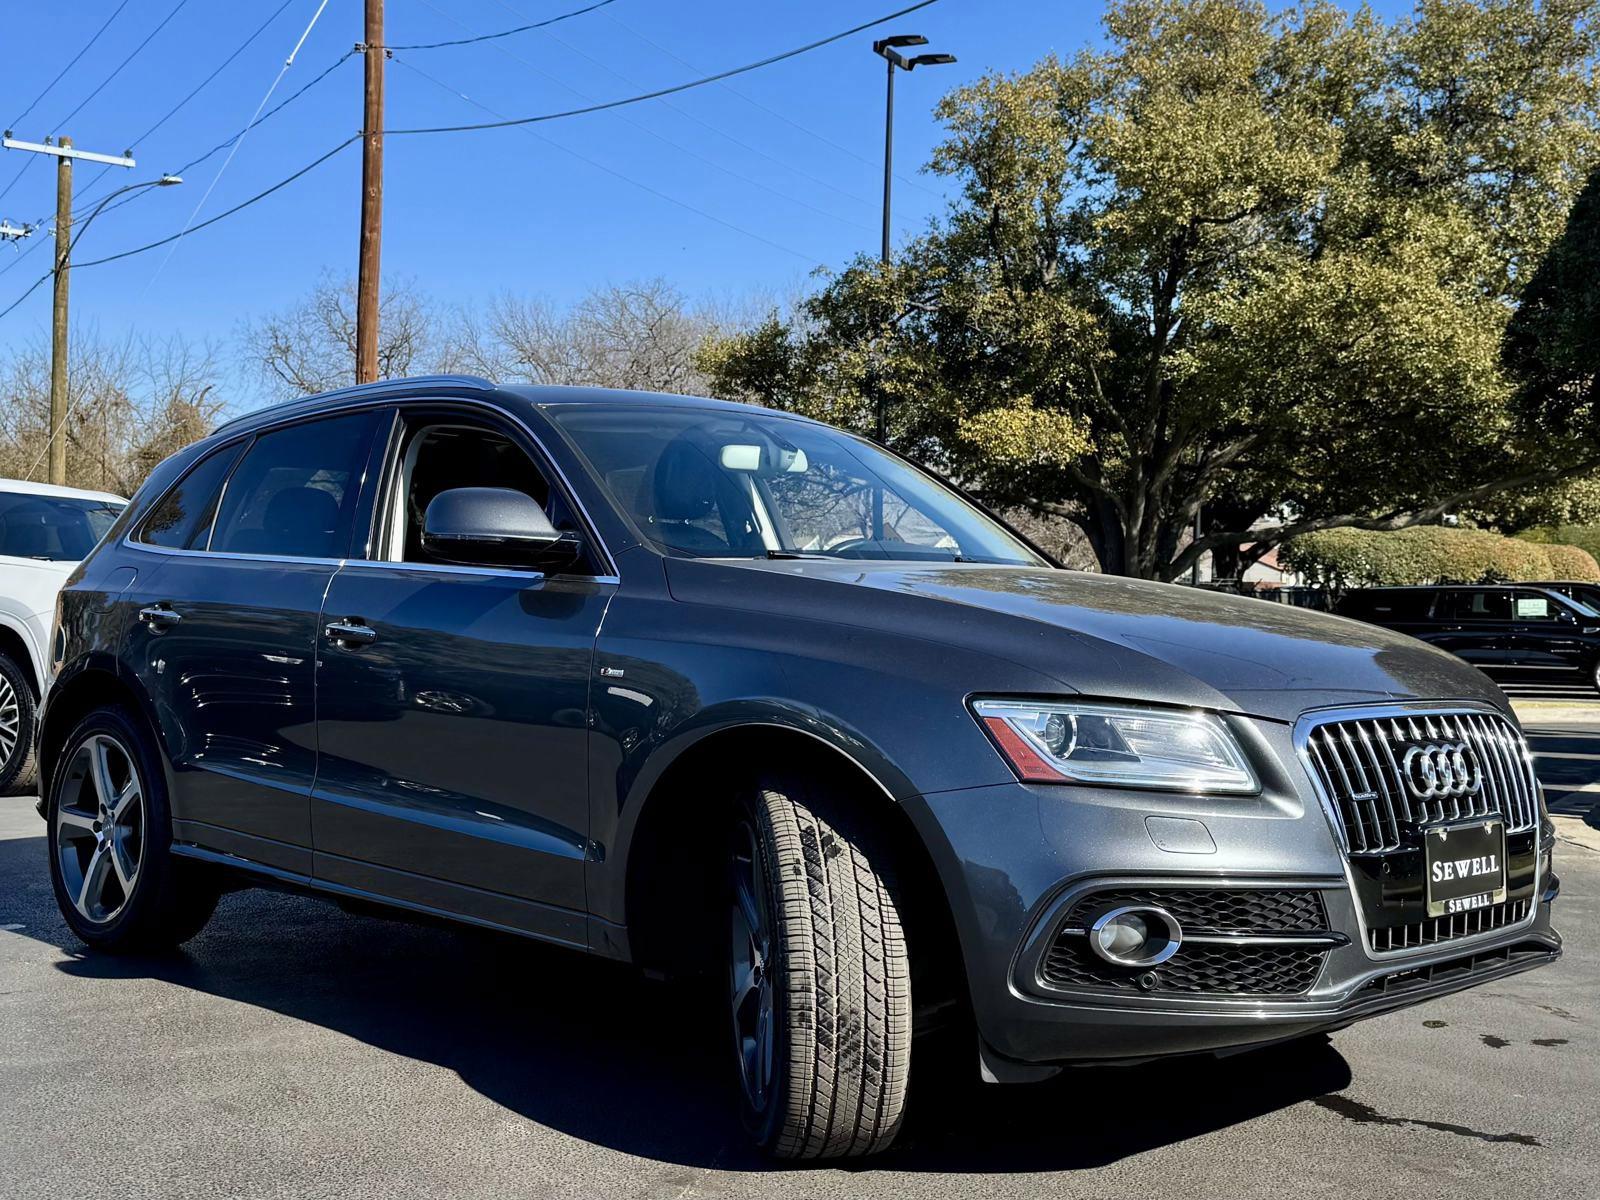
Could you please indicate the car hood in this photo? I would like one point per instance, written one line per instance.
(1104, 635)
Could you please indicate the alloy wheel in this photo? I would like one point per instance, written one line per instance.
(750, 969)
(100, 828)
(10, 721)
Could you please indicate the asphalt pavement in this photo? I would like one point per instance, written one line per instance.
(293, 1050)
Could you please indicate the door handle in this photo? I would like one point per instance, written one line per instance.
(350, 633)
(159, 617)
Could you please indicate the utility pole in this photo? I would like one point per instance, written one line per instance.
(368, 266)
(58, 320)
(64, 154)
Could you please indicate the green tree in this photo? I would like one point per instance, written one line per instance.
(1239, 262)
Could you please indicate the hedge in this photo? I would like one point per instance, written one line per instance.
(1342, 558)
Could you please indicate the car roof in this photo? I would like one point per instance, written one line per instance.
(456, 386)
(27, 487)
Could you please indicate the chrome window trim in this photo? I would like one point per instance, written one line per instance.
(399, 403)
(1445, 948)
(340, 563)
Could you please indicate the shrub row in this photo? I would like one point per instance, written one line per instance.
(1345, 558)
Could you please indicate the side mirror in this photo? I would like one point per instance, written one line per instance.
(495, 527)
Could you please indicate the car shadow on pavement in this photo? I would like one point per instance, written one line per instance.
(597, 1052)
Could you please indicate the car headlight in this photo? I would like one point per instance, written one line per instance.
(1123, 746)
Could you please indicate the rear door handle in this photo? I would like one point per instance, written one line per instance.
(351, 632)
(159, 617)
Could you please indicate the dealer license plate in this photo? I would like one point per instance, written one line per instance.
(1466, 866)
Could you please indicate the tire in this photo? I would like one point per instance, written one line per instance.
(819, 981)
(109, 842)
(19, 714)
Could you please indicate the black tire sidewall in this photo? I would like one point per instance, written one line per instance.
(153, 882)
(27, 718)
(763, 1124)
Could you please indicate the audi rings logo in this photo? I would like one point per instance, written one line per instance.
(1442, 771)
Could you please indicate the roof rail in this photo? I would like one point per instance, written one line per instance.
(406, 384)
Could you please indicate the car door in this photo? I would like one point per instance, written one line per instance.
(1547, 639)
(227, 627)
(453, 699)
(1474, 624)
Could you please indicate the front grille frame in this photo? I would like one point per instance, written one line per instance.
(1521, 806)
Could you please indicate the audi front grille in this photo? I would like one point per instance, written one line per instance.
(1391, 775)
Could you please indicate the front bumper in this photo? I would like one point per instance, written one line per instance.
(1009, 894)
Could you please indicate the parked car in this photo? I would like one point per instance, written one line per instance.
(44, 533)
(711, 688)
(1512, 632)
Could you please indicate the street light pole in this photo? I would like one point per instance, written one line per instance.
(889, 50)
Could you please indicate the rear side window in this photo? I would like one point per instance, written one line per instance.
(1383, 605)
(182, 521)
(294, 493)
(1470, 604)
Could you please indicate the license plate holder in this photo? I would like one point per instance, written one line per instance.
(1465, 866)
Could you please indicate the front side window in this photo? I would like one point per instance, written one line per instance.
(294, 493)
(182, 521)
(707, 483)
(1533, 606)
(435, 458)
(53, 528)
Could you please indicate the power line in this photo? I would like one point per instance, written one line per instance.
(489, 37)
(102, 85)
(599, 166)
(766, 108)
(667, 91)
(678, 146)
(261, 120)
(176, 8)
(106, 24)
(199, 87)
(704, 124)
(243, 204)
(238, 142)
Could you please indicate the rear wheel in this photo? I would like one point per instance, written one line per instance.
(18, 713)
(819, 981)
(110, 834)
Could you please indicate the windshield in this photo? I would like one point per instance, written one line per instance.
(712, 484)
(54, 528)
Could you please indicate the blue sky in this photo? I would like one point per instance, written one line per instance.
(722, 190)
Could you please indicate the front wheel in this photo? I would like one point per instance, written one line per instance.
(110, 833)
(18, 712)
(819, 981)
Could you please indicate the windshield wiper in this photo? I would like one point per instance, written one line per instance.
(785, 554)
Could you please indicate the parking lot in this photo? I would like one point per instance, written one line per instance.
(293, 1049)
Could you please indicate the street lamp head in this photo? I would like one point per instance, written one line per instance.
(931, 60)
(169, 180)
(897, 41)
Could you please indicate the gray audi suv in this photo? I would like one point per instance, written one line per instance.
(727, 693)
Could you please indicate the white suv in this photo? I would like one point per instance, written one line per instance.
(45, 531)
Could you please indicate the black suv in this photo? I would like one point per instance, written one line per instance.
(1528, 633)
(722, 691)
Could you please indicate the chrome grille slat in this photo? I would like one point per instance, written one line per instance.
(1372, 798)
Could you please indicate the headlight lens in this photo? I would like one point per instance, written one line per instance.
(1170, 749)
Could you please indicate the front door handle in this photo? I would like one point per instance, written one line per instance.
(159, 617)
(350, 633)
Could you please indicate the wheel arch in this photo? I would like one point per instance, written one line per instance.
(17, 644)
(93, 683)
(671, 866)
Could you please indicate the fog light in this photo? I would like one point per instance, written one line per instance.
(1135, 937)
